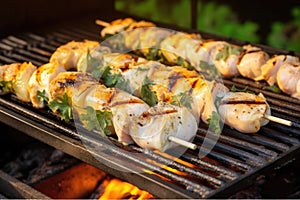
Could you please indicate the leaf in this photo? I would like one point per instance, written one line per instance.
(217, 101)
(214, 123)
(147, 94)
(210, 70)
(109, 79)
(274, 89)
(114, 80)
(94, 66)
(42, 98)
(62, 106)
(223, 54)
(97, 119)
(184, 63)
(182, 99)
(153, 54)
(6, 86)
(227, 51)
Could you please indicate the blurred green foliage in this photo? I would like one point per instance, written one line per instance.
(171, 11)
(220, 19)
(216, 18)
(286, 35)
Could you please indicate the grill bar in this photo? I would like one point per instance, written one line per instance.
(15, 189)
(259, 139)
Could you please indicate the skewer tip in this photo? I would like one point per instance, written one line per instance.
(182, 142)
(279, 120)
(102, 23)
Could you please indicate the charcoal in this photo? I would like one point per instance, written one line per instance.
(36, 162)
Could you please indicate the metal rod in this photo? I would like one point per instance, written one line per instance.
(194, 13)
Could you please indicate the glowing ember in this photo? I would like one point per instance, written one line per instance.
(77, 182)
(175, 171)
(82, 181)
(176, 159)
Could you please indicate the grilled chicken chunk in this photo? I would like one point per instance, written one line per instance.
(244, 111)
(67, 83)
(16, 76)
(68, 55)
(251, 61)
(120, 25)
(40, 82)
(270, 68)
(224, 57)
(288, 77)
(183, 46)
(152, 129)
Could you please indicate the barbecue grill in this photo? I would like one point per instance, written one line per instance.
(233, 164)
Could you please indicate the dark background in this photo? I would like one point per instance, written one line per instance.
(18, 15)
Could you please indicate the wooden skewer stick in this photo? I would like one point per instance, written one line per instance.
(102, 23)
(279, 120)
(183, 142)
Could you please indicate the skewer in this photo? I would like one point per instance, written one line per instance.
(102, 23)
(282, 121)
(182, 142)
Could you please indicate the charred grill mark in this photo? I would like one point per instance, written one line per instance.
(19, 67)
(67, 83)
(113, 93)
(246, 52)
(253, 51)
(198, 47)
(241, 102)
(164, 112)
(135, 58)
(173, 80)
(241, 57)
(125, 67)
(38, 75)
(130, 101)
(193, 85)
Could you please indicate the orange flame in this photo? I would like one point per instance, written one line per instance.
(117, 189)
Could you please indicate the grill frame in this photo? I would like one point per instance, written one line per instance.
(58, 134)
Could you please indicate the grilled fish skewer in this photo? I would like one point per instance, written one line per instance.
(230, 60)
(83, 91)
(127, 112)
(167, 83)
